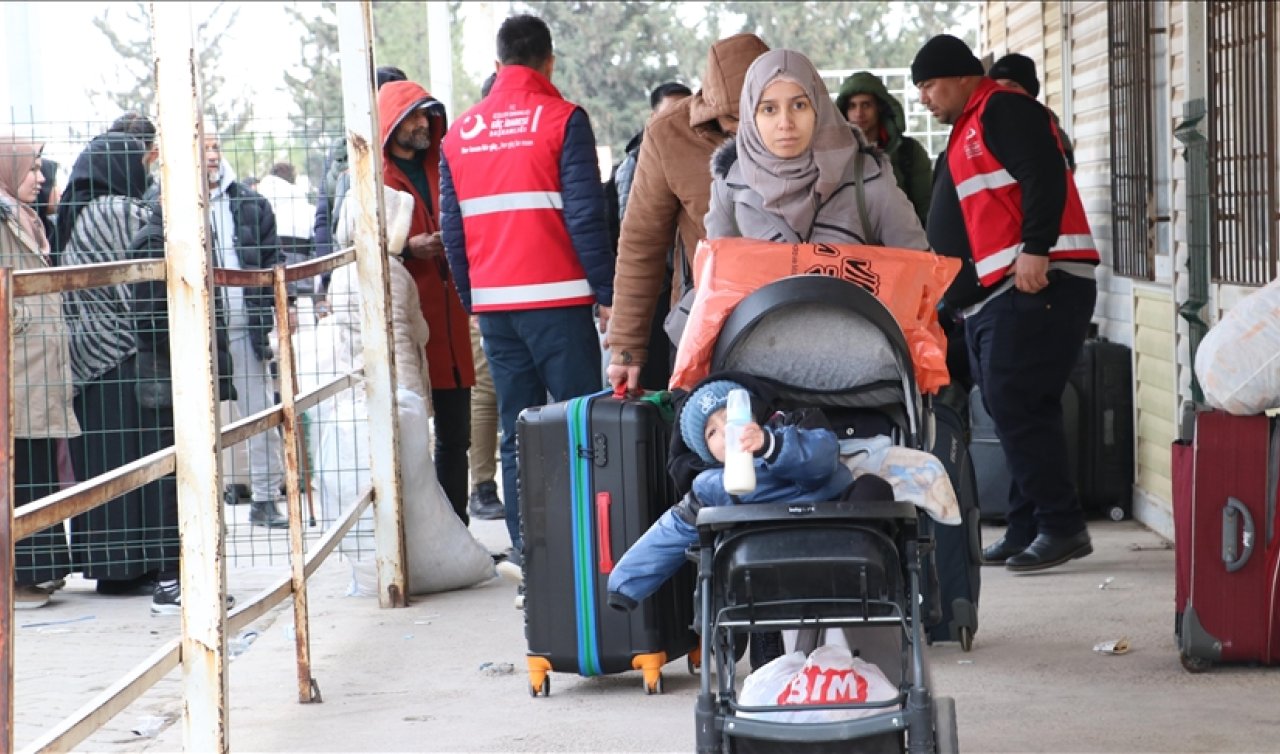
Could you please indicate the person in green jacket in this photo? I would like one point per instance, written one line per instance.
(865, 102)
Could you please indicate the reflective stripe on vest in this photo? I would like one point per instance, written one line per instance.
(537, 293)
(991, 202)
(484, 205)
(983, 181)
(1003, 258)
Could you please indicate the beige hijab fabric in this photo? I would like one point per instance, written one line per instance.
(17, 155)
(795, 187)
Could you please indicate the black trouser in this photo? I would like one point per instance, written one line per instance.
(1022, 348)
(453, 439)
(43, 556)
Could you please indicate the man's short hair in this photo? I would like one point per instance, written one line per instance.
(487, 86)
(284, 171)
(388, 73)
(524, 40)
(669, 89)
(136, 125)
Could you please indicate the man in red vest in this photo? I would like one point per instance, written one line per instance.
(525, 230)
(1005, 203)
(412, 124)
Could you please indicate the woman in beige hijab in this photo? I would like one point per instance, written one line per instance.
(41, 373)
(792, 174)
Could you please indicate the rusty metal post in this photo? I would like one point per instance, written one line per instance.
(7, 644)
(185, 199)
(308, 689)
(364, 155)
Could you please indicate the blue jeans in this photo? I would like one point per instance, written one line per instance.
(533, 354)
(1022, 348)
(654, 558)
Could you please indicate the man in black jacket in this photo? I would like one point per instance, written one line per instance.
(1005, 204)
(244, 237)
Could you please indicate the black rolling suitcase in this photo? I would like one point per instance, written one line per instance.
(958, 550)
(1103, 383)
(592, 479)
(990, 469)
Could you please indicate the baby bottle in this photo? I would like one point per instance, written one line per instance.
(739, 464)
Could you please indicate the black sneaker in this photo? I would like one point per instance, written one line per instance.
(167, 599)
(485, 504)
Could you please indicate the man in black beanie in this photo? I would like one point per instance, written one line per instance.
(1018, 72)
(1006, 205)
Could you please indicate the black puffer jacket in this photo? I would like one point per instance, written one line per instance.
(259, 249)
(151, 315)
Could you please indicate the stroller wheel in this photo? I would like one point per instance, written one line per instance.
(945, 733)
(966, 638)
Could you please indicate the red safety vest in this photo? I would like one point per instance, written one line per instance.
(504, 157)
(991, 199)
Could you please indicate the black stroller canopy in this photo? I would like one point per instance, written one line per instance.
(825, 341)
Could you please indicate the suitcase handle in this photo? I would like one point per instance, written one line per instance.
(603, 528)
(1231, 535)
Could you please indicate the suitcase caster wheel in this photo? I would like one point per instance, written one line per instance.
(966, 638)
(1116, 513)
(544, 688)
(1195, 664)
(694, 661)
(654, 686)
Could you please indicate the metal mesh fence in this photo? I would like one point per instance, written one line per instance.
(91, 367)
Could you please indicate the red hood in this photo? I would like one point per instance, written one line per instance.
(397, 98)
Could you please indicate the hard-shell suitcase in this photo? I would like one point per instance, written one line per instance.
(990, 470)
(958, 549)
(1103, 382)
(592, 479)
(1226, 549)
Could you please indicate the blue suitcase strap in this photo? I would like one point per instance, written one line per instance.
(580, 483)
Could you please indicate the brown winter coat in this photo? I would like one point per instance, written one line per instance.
(671, 193)
(41, 368)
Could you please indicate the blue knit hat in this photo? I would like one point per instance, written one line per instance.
(699, 407)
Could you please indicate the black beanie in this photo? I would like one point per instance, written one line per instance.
(942, 57)
(1020, 68)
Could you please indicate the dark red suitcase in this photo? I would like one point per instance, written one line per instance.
(1227, 552)
(593, 478)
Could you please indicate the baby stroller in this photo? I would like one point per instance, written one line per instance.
(826, 343)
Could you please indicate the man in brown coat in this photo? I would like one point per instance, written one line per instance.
(670, 196)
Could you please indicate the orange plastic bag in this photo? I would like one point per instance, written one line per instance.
(909, 282)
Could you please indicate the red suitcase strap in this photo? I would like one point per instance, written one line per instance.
(604, 501)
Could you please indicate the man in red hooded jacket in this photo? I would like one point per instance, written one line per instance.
(412, 124)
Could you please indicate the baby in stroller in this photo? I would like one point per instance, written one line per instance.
(797, 459)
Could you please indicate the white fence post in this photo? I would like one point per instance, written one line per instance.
(184, 198)
(364, 158)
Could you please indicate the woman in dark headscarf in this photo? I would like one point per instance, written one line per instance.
(121, 543)
(792, 174)
(42, 413)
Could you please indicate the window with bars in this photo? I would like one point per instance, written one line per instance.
(1242, 142)
(1132, 175)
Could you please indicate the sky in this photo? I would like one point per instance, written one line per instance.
(54, 56)
(60, 84)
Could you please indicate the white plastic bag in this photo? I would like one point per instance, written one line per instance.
(1239, 359)
(831, 675)
(440, 550)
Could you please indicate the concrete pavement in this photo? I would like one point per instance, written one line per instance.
(429, 677)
